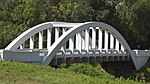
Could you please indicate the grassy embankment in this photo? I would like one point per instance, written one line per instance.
(20, 73)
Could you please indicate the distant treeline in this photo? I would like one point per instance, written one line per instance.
(130, 17)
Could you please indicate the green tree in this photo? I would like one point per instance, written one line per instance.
(72, 11)
(6, 7)
(17, 16)
(29, 12)
(140, 23)
(9, 32)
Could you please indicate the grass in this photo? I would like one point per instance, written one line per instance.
(21, 73)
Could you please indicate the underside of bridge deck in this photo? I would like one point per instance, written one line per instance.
(92, 60)
(114, 65)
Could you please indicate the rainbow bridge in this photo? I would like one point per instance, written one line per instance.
(59, 42)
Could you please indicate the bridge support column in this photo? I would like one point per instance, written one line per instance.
(87, 40)
(80, 41)
(22, 46)
(71, 44)
(40, 39)
(94, 38)
(56, 33)
(77, 41)
(111, 41)
(83, 39)
(122, 48)
(117, 45)
(64, 46)
(106, 41)
(100, 39)
(32, 42)
(49, 37)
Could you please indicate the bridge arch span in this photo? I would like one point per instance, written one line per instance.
(76, 29)
(27, 34)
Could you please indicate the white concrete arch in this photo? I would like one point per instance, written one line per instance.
(76, 29)
(27, 34)
(34, 30)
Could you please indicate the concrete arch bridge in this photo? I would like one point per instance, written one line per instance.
(60, 42)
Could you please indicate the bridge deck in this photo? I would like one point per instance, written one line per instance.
(36, 56)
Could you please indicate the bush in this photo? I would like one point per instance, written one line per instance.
(63, 66)
(142, 75)
(85, 69)
(89, 70)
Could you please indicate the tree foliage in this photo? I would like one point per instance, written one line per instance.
(29, 12)
(72, 11)
(141, 22)
(129, 17)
